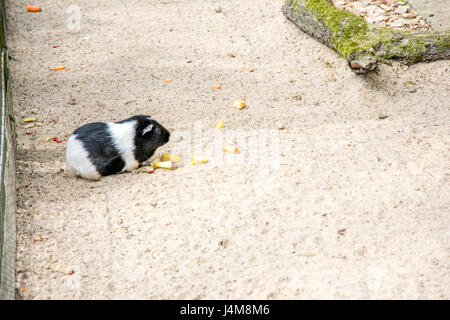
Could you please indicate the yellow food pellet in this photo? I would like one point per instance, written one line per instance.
(196, 160)
(29, 120)
(220, 125)
(170, 157)
(155, 161)
(164, 165)
(239, 104)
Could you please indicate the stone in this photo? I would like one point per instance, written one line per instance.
(377, 19)
(409, 15)
(402, 10)
(399, 23)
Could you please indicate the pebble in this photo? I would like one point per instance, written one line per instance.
(402, 10)
(386, 13)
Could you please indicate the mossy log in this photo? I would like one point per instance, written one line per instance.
(363, 44)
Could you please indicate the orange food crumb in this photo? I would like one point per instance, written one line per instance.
(216, 86)
(168, 80)
(57, 68)
(31, 8)
(230, 149)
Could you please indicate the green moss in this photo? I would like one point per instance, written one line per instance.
(443, 40)
(352, 34)
(409, 48)
(347, 28)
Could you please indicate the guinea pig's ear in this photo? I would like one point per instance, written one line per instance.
(147, 129)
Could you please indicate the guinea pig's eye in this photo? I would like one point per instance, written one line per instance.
(158, 131)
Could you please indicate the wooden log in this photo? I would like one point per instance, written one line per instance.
(364, 45)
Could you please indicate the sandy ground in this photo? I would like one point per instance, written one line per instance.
(436, 11)
(357, 208)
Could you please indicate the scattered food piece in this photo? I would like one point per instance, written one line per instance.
(251, 70)
(30, 132)
(155, 161)
(163, 165)
(58, 68)
(56, 47)
(280, 126)
(170, 157)
(232, 55)
(168, 80)
(230, 149)
(239, 104)
(61, 268)
(196, 160)
(145, 169)
(58, 140)
(216, 86)
(220, 125)
(37, 239)
(48, 139)
(383, 117)
(31, 8)
(29, 120)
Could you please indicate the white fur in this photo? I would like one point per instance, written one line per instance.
(122, 135)
(78, 159)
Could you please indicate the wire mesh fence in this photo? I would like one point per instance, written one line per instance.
(7, 175)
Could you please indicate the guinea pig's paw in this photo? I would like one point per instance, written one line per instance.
(130, 166)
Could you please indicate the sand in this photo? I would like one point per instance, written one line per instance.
(341, 204)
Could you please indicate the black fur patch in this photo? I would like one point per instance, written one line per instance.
(146, 144)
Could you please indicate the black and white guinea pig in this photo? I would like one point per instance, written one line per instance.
(103, 148)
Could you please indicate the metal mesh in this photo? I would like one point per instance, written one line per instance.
(7, 178)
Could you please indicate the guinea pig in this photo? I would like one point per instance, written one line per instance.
(103, 148)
